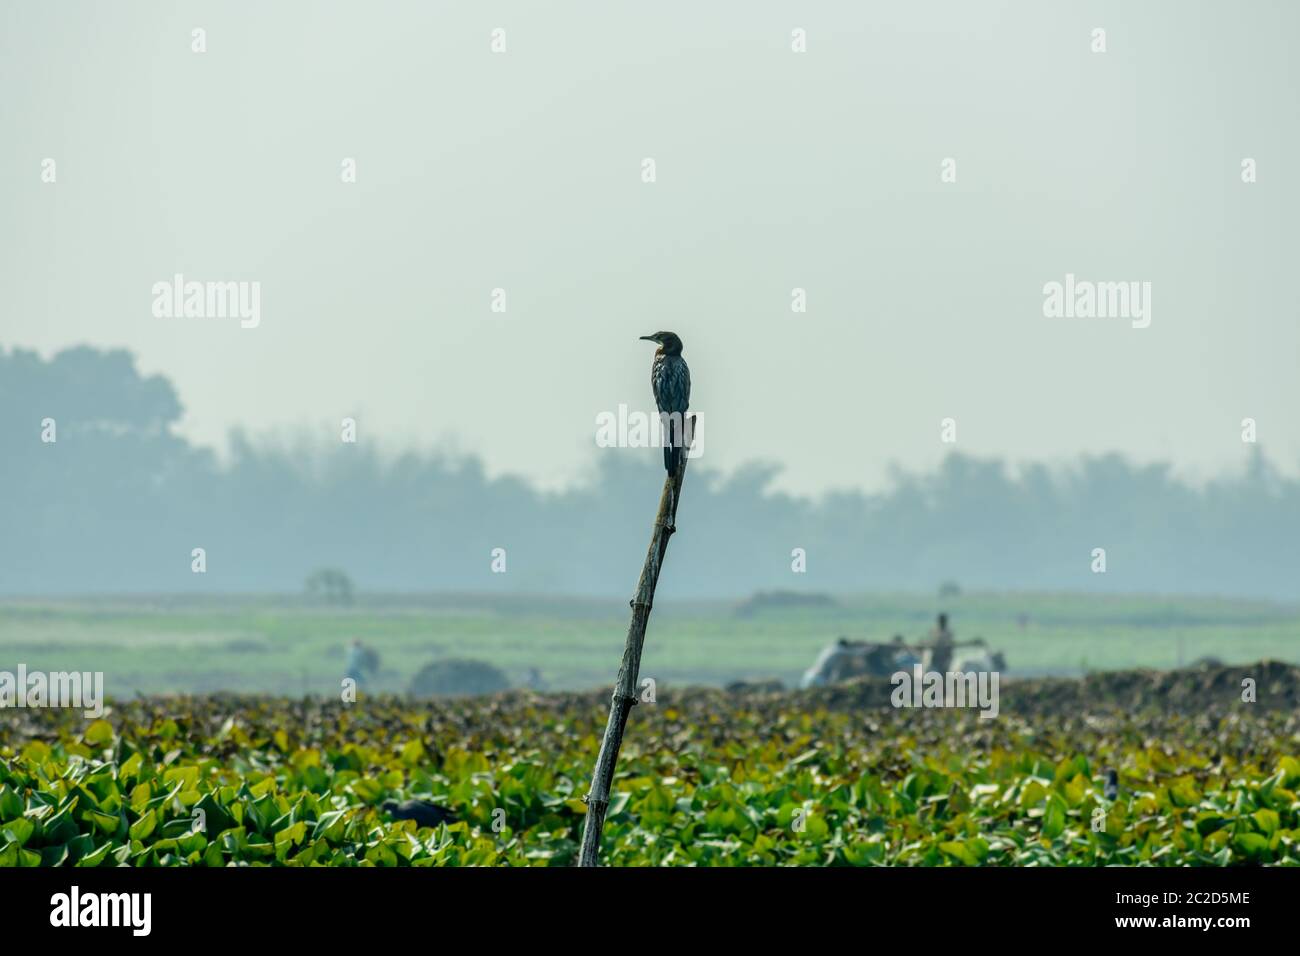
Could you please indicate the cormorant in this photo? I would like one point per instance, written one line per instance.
(670, 379)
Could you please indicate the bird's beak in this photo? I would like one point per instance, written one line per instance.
(650, 338)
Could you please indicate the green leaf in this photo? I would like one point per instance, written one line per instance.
(188, 776)
(98, 733)
(98, 857)
(291, 835)
(104, 822)
(617, 804)
(412, 753)
(216, 816)
(19, 830)
(142, 828)
(11, 805)
(1268, 820)
(54, 855)
(330, 825)
(1032, 794)
(131, 767)
(1290, 768)
(61, 827)
(1054, 817)
(141, 795)
(960, 852)
(1251, 844)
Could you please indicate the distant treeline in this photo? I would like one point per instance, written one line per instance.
(119, 502)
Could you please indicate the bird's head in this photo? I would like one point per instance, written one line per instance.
(669, 343)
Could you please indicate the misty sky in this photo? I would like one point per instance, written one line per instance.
(775, 170)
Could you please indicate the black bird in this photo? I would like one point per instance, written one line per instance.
(670, 380)
(423, 812)
(1111, 791)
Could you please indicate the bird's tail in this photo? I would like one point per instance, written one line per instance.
(672, 446)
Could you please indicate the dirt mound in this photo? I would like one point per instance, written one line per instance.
(1190, 690)
(1205, 690)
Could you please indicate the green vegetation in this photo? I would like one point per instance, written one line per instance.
(829, 777)
(705, 778)
(292, 647)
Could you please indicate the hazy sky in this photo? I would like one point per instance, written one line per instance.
(775, 170)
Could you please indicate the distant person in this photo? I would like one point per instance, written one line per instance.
(361, 660)
(941, 646)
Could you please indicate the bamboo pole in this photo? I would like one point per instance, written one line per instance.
(620, 705)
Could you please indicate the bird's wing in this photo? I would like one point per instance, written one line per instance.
(676, 387)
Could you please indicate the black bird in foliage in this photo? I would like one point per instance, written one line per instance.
(1112, 785)
(425, 814)
(670, 379)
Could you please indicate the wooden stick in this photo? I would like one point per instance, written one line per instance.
(625, 687)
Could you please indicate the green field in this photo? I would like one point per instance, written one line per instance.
(706, 778)
(288, 646)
